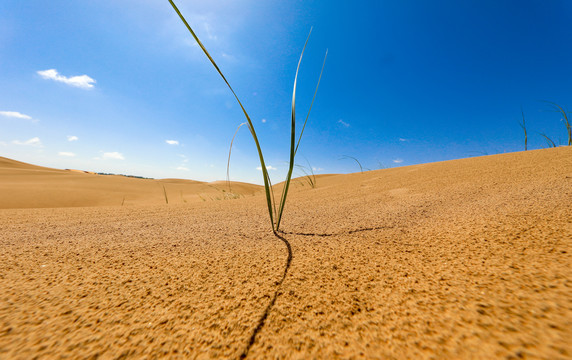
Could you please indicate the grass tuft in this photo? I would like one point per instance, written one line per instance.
(559, 109)
(309, 175)
(274, 214)
(548, 140)
(165, 193)
(354, 159)
(523, 126)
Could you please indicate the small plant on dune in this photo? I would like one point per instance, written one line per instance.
(274, 213)
(548, 140)
(309, 175)
(354, 159)
(165, 193)
(523, 126)
(559, 109)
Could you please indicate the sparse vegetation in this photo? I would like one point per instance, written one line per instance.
(523, 126)
(354, 159)
(165, 193)
(559, 109)
(548, 140)
(275, 214)
(309, 175)
(130, 176)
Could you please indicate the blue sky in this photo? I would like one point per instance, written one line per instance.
(120, 86)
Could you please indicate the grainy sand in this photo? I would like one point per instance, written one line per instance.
(460, 259)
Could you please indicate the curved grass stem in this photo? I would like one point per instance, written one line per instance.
(274, 213)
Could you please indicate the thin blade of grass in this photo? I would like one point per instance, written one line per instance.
(313, 175)
(354, 159)
(266, 178)
(292, 141)
(165, 193)
(559, 109)
(548, 140)
(229, 153)
(523, 126)
(312, 103)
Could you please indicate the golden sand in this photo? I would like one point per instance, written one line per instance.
(460, 259)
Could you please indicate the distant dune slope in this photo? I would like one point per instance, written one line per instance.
(29, 186)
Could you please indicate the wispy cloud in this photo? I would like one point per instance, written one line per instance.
(65, 153)
(269, 167)
(343, 123)
(182, 168)
(15, 115)
(35, 141)
(263, 121)
(398, 161)
(172, 142)
(81, 81)
(403, 140)
(113, 155)
(72, 138)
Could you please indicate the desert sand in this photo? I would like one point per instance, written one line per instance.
(468, 258)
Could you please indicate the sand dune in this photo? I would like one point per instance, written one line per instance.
(460, 259)
(28, 186)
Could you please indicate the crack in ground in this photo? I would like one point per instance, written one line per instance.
(262, 319)
(341, 232)
(260, 324)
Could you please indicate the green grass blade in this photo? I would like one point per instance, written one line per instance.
(229, 153)
(266, 178)
(354, 159)
(312, 103)
(523, 126)
(559, 109)
(292, 141)
(548, 140)
(313, 181)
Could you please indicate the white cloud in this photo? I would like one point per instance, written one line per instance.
(72, 138)
(35, 141)
(113, 155)
(317, 169)
(65, 153)
(402, 139)
(15, 114)
(172, 142)
(263, 121)
(343, 123)
(398, 161)
(269, 167)
(208, 30)
(182, 168)
(81, 81)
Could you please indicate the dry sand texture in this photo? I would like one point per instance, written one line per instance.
(460, 259)
(27, 186)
